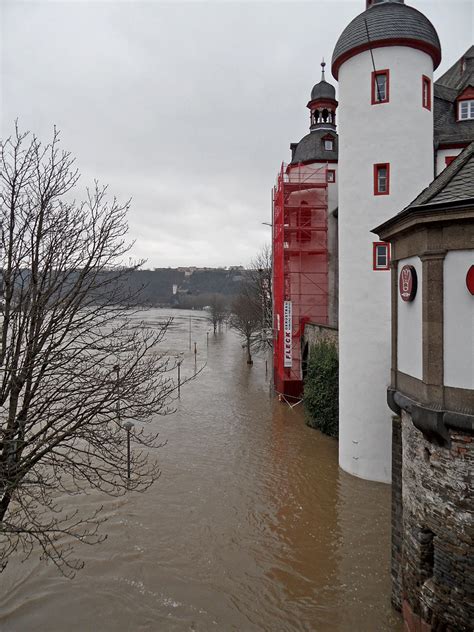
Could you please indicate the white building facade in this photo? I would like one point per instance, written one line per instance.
(386, 156)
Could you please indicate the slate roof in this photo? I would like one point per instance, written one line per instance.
(454, 184)
(387, 21)
(311, 148)
(446, 90)
(451, 192)
(461, 74)
(323, 90)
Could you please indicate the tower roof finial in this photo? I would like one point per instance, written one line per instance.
(323, 65)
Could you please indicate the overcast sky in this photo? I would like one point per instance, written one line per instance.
(187, 107)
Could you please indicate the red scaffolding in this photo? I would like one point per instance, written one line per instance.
(300, 267)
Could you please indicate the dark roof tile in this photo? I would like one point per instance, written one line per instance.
(311, 148)
(454, 184)
(386, 21)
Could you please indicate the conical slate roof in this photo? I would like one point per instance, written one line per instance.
(387, 24)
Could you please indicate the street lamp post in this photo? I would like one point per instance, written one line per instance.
(128, 425)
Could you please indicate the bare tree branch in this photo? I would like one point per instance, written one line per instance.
(65, 324)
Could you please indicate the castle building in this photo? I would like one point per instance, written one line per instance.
(397, 129)
(432, 395)
(404, 290)
(384, 62)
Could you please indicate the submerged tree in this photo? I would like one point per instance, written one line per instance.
(217, 311)
(245, 318)
(74, 361)
(251, 313)
(259, 286)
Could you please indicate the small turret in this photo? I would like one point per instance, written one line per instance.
(323, 104)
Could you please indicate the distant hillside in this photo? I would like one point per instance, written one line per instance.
(185, 287)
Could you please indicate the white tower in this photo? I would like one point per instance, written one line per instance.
(384, 63)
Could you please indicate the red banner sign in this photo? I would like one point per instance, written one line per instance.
(470, 279)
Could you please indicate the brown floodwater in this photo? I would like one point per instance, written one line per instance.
(252, 525)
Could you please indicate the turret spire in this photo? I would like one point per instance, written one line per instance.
(323, 65)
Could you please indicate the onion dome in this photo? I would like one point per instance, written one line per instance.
(323, 89)
(387, 23)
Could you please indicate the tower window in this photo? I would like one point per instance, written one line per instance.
(466, 110)
(331, 175)
(380, 87)
(382, 179)
(426, 87)
(381, 255)
(329, 144)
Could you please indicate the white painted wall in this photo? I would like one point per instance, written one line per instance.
(441, 158)
(458, 321)
(410, 326)
(399, 132)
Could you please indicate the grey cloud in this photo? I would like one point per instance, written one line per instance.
(186, 107)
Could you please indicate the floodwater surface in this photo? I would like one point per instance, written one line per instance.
(251, 527)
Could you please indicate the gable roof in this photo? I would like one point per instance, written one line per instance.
(446, 90)
(453, 185)
(461, 74)
(449, 196)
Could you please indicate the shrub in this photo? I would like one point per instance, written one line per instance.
(321, 390)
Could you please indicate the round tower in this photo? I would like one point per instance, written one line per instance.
(384, 62)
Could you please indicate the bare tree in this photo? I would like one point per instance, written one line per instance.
(217, 311)
(259, 285)
(245, 318)
(252, 310)
(74, 361)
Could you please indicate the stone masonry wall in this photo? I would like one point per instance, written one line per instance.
(438, 532)
(397, 513)
(314, 332)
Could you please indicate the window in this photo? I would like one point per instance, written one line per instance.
(330, 175)
(449, 159)
(466, 110)
(426, 87)
(382, 179)
(380, 87)
(381, 255)
(328, 144)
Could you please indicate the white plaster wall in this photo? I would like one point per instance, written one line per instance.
(458, 321)
(410, 326)
(441, 156)
(399, 132)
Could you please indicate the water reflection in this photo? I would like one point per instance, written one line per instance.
(251, 527)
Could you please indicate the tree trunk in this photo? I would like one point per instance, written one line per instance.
(249, 355)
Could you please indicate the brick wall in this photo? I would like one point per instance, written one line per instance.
(438, 532)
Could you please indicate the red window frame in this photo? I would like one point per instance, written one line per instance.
(426, 82)
(375, 245)
(375, 74)
(449, 159)
(331, 172)
(377, 167)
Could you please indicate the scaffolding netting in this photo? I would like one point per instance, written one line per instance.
(300, 267)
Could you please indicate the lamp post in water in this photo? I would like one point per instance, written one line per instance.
(128, 425)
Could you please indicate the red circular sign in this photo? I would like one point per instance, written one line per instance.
(470, 279)
(408, 283)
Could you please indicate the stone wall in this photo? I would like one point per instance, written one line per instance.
(438, 531)
(314, 332)
(397, 513)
